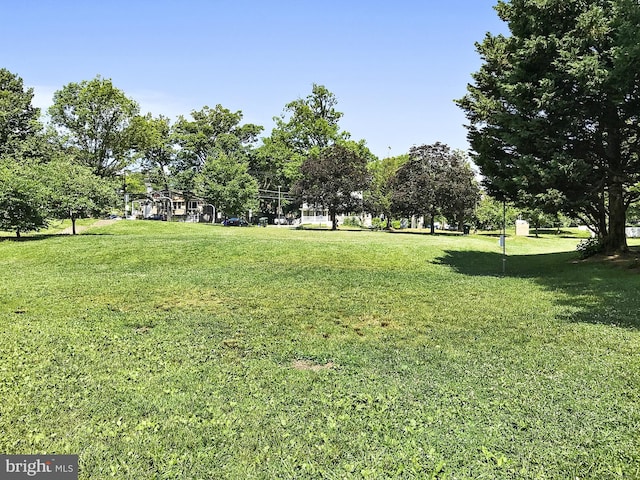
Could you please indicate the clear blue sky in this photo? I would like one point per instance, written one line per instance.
(394, 66)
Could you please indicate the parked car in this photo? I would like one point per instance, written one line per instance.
(157, 216)
(235, 222)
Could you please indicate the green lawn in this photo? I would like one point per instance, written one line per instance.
(185, 351)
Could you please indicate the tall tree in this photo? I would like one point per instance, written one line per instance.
(491, 214)
(18, 117)
(335, 177)
(306, 124)
(554, 110)
(213, 134)
(311, 122)
(155, 147)
(96, 119)
(23, 198)
(213, 128)
(462, 191)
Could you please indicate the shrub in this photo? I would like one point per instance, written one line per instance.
(352, 222)
(378, 223)
(589, 247)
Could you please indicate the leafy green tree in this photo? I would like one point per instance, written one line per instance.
(155, 147)
(377, 199)
(95, 119)
(75, 191)
(135, 183)
(554, 110)
(228, 185)
(305, 126)
(214, 134)
(23, 196)
(213, 128)
(334, 177)
(310, 122)
(18, 117)
(490, 213)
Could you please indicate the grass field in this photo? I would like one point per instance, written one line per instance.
(186, 351)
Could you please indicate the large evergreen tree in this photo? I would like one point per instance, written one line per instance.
(554, 109)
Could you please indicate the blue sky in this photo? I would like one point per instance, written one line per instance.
(394, 66)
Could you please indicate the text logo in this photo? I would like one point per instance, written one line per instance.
(44, 467)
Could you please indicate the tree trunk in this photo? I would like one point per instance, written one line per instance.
(433, 224)
(73, 224)
(334, 220)
(615, 240)
(18, 233)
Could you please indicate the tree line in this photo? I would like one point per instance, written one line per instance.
(74, 165)
(553, 123)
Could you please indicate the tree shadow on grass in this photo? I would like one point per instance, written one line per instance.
(29, 238)
(599, 292)
(35, 237)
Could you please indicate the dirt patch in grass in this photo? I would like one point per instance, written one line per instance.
(629, 260)
(313, 366)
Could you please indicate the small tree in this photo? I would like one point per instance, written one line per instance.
(76, 192)
(23, 197)
(491, 213)
(377, 199)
